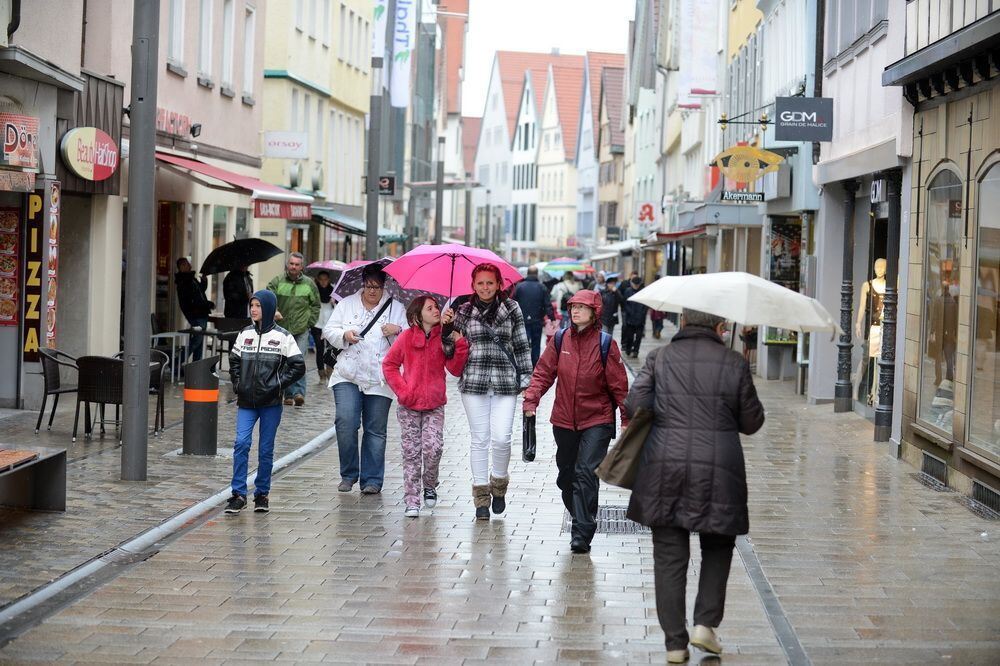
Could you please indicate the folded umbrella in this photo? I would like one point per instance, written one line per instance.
(739, 297)
(238, 253)
(446, 269)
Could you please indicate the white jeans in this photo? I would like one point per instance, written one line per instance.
(491, 420)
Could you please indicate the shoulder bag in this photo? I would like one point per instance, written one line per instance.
(331, 353)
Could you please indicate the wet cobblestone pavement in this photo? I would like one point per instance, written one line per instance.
(867, 564)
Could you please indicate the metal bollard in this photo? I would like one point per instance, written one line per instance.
(201, 407)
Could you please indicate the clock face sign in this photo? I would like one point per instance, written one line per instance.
(746, 164)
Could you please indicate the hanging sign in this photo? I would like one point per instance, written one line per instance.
(20, 141)
(803, 119)
(387, 185)
(53, 265)
(403, 43)
(9, 273)
(89, 153)
(380, 16)
(33, 254)
(745, 164)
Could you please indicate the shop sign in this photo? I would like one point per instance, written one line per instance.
(387, 185)
(20, 141)
(741, 196)
(613, 234)
(281, 210)
(55, 190)
(286, 145)
(32, 309)
(877, 194)
(172, 122)
(803, 119)
(9, 273)
(646, 212)
(89, 153)
(16, 181)
(746, 164)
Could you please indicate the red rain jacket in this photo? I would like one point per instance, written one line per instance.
(582, 392)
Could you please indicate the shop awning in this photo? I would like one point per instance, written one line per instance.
(352, 225)
(664, 237)
(720, 214)
(604, 256)
(620, 246)
(269, 201)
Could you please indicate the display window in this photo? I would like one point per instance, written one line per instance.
(984, 410)
(942, 262)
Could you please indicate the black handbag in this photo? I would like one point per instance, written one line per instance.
(528, 438)
(331, 353)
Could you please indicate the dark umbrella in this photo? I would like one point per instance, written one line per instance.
(238, 253)
(352, 279)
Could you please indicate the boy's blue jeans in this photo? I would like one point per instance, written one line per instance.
(246, 417)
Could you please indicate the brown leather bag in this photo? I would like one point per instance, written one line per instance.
(621, 464)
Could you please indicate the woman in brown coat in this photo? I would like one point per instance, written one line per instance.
(692, 476)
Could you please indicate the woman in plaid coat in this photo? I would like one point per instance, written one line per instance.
(498, 369)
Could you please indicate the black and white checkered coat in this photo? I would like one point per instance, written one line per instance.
(488, 367)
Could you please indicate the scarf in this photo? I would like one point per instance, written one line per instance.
(487, 311)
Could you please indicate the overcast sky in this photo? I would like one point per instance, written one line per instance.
(572, 26)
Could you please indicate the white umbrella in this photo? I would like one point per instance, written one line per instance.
(739, 297)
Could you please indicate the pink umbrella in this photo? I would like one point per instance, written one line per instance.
(331, 266)
(446, 269)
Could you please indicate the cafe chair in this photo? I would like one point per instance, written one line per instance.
(52, 360)
(159, 370)
(100, 382)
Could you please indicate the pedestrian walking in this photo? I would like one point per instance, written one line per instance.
(498, 369)
(422, 394)
(263, 361)
(298, 311)
(562, 292)
(193, 303)
(611, 302)
(633, 317)
(692, 477)
(237, 287)
(591, 385)
(325, 289)
(363, 325)
(533, 299)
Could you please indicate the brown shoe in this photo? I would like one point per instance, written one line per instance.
(299, 400)
(289, 402)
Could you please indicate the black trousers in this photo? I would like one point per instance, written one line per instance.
(671, 553)
(578, 453)
(320, 343)
(631, 337)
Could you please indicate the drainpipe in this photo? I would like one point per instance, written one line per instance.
(15, 18)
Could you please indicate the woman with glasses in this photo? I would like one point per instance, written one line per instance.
(497, 370)
(363, 326)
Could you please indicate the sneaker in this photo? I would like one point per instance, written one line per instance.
(704, 638)
(288, 402)
(677, 656)
(345, 486)
(430, 497)
(370, 490)
(299, 400)
(412, 512)
(236, 503)
(260, 504)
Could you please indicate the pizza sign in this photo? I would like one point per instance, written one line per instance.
(89, 153)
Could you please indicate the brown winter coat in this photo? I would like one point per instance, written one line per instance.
(692, 473)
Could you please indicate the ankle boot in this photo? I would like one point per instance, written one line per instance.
(498, 488)
(481, 500)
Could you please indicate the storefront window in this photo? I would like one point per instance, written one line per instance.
(984, 419)
(943, 243)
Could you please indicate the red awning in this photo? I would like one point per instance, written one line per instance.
(269, 201)
(666, 237)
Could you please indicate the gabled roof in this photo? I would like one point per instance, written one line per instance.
(470, 141)
(514, 64)
(568, 83)
(612, 91)
(597, 61)
(453, 29)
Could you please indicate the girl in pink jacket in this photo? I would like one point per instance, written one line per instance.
(421, 392)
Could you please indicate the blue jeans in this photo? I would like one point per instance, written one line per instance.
(197, 340)
(353, 409)
(299, 386)
(269, 417)
(534, 331)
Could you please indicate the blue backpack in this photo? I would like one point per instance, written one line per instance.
(605, 345)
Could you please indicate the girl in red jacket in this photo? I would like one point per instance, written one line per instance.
(421, 392)
(592, 382)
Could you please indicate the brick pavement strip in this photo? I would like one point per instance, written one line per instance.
(868, 566)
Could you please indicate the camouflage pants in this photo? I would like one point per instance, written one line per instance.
(423, 443)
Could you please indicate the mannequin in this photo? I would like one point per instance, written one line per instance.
(871, 306)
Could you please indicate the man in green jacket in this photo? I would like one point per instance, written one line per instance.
(298, 310)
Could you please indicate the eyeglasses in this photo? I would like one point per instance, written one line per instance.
(374, 287)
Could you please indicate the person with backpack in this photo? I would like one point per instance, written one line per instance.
(562, 292)
(592, 385)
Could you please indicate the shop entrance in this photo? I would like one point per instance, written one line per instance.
(11, 279)
(868, 317)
